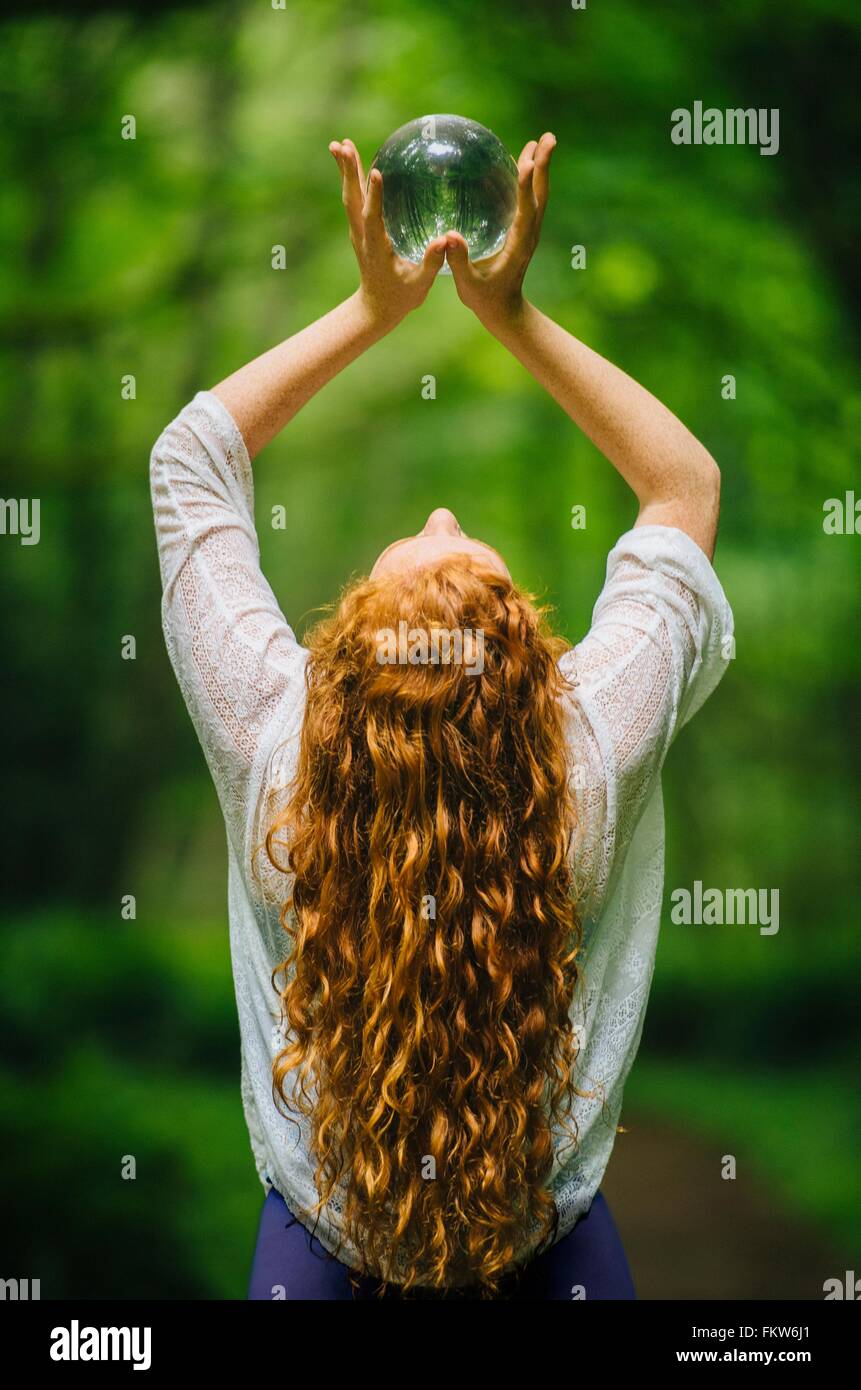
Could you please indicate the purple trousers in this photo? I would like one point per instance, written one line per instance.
(289, 1263)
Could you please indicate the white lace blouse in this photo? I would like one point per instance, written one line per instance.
(658, 646)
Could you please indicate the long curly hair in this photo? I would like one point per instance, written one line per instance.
(434, 930)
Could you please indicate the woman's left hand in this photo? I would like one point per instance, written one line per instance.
(391, 286)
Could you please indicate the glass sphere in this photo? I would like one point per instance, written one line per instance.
(445, 173)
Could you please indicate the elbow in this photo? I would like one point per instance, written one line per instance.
(713, 482)
(693, 504)
(711, 479)
(708, 505)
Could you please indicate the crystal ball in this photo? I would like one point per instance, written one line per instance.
(446, 173)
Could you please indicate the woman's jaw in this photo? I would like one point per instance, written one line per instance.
(440, 536)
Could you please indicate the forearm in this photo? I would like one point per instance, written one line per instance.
(674, 478)
(266, 393)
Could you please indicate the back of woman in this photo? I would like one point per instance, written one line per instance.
(445, 833)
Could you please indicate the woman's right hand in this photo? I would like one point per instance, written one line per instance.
(493, 287)
(391, 285)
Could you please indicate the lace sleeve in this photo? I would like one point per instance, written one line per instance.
(660, 640)
(234, 655)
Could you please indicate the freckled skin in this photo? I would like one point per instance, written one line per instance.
(674, 478)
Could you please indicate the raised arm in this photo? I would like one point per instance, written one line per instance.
(264, 395)
(236, 658)
(675, 479)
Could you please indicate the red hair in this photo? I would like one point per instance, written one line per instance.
(434, 934)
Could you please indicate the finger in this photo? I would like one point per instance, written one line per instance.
(432, 260)
(527, 152)
(358, 158)
(457, 255)
(335, 152)
(352, 206)
(336, 149)
(541, 173)
(524, 214)
(525, 189)
(525, 168)
(352, 190)
(373, 209)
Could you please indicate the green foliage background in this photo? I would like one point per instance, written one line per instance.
(153, 257)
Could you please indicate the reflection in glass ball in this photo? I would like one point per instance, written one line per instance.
(445, 173)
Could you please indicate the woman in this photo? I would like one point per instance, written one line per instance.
(445, 829)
